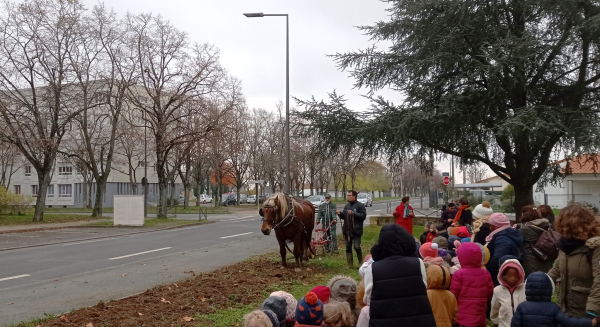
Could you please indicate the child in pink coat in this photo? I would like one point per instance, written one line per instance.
(472, 286)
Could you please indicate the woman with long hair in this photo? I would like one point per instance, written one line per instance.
(578, 263)
(546, 212)
(533, 225)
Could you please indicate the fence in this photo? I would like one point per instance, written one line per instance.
(559, 201)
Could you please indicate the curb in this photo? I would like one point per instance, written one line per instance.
(93, 238)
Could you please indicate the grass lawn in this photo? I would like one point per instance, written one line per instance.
(151, 222)
(27, 219)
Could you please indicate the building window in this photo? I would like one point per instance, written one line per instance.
(65, 170)
(100, 98)
(65, 191)
(27, 170)
(17, 189)
(141, 163)
(50, 191)
(35, 190)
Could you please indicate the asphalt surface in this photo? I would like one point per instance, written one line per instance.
(102, 264)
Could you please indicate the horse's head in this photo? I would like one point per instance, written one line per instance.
(272, 212)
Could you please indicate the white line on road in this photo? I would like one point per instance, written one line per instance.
(236, 218)
(13, 277)
(239, 221)
(92, 241)
(131, 255)
(237, 235)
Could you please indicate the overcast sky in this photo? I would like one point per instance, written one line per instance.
(253, 49)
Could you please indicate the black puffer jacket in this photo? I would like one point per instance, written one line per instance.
(399, 296)
(539, 310)
(531, 232)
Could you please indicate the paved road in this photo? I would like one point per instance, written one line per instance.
(58, 278)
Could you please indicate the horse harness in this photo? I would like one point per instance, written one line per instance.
(289, 218)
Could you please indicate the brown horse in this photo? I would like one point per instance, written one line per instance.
(292, 219)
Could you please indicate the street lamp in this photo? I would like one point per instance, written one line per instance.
(288, 185)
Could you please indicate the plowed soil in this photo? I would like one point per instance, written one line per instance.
(173, 305)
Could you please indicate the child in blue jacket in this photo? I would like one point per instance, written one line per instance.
(539, 310)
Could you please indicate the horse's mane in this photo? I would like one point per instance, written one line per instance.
(283, 202)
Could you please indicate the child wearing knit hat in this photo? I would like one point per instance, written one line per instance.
(429, 252)
(323, 293)
(310, 311)
(279, 306)
(290, 314)
(481, 225)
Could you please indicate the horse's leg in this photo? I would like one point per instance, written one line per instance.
(298, 246)
(282, 251)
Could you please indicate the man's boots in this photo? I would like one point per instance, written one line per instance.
(359, 256)
(350, 258)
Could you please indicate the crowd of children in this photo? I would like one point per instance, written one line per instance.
(438, 280)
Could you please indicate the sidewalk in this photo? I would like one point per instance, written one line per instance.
(42, 226)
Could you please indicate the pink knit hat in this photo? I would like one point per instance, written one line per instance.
(429, 250)
(499, 219)
(291, 303)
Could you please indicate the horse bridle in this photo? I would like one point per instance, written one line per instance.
(288, 219)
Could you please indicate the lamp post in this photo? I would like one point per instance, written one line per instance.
(288, 185)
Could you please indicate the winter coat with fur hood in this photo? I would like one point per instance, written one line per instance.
(443, 302)
(472, 286)
(531, 232)
(578, 268)
(506, 299)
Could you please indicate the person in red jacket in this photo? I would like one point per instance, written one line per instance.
(404, 215)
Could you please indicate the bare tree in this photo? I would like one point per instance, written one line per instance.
(171, 72)
(10, 162)
(475, 172)
(106, 66)
(37, 100)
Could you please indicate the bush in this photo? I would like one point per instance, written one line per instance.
(13, 203)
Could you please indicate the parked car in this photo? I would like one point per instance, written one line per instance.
(205, 198)
(365, 199)
(243, 198)
(316, 200)
(228, 199)
(251, 199)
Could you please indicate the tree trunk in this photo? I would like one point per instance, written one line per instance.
(44, 178)
(100, 188)
(89, 195)
(523, 197)
(85, 194)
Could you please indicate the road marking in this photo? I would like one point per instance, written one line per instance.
(131, 255)
(13, 277)
(239, 221)
(92, 241)
(237, 235)
(236, 218)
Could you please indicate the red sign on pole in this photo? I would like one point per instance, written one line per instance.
(446, 180)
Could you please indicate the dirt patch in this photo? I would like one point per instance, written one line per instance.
(171, 305)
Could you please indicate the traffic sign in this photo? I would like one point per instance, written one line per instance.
(445, 174)
(446, 180)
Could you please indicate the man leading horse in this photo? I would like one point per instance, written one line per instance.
(326, 215)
